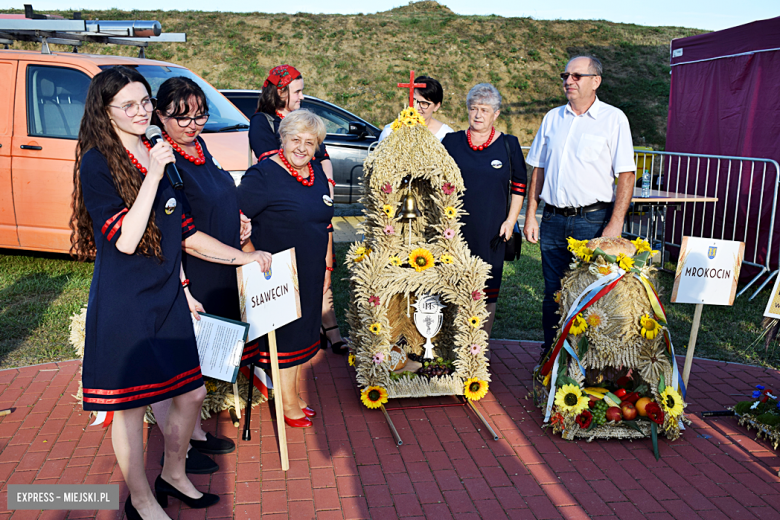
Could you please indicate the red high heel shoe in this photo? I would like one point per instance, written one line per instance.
(304, 422)
(309, 412)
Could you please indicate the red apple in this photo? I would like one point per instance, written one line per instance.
(614, 414)
(629, 411)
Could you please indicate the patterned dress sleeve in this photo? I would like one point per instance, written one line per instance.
(519, 173)
(187, 224)
(103, 203)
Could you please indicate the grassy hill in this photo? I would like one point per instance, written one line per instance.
(356, 60)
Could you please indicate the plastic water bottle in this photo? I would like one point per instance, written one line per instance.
(646, 184)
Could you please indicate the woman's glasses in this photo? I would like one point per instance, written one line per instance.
(132, 109)
(423, 104)
(576, 76)
(184, 122)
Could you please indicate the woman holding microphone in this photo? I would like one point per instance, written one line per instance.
(140, 346)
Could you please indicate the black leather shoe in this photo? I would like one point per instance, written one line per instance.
(214, 445)
(130, 511)
(163, 490)
(197, 463)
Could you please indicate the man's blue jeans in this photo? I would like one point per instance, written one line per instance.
(553, 232)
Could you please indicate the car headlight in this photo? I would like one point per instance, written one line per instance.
(237, 174)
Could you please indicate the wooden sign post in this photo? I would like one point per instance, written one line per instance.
(707, 273)
(270, 300)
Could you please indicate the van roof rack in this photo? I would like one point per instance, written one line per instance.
(34, 27)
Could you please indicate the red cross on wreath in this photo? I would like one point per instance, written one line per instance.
(411, 86)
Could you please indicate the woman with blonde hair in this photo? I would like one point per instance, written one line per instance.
(287, 198)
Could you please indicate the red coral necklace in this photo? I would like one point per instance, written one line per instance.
(200, 159)
(135, 161)
(306, 182)
(485, 144)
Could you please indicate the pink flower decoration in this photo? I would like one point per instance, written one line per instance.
(387, 188)
(476, 295)
(449, 234)
(448, 188)
(475, 349)
(389, 230)
(378, 357)
(374, 300)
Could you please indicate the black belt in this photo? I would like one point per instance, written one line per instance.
(570, 212)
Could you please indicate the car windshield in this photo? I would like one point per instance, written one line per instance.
(223, 116)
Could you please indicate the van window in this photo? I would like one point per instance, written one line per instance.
(55, 101)
(335, 123)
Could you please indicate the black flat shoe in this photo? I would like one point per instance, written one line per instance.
(163, 490)
(214, 445)
(130, 511)
(196, 463)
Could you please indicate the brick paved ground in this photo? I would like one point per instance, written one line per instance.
(348, 466)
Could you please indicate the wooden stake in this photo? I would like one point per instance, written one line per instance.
(692, 342)
(276, 377)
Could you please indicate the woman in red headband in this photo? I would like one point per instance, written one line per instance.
(282, 93)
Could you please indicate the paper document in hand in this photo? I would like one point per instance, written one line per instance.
(220, 346)
(269, 300)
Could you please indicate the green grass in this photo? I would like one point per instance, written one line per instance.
(39, 293)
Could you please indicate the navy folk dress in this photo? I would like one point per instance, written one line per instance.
(140, 346)
(487, 179)
(286, 214)
(213, 203)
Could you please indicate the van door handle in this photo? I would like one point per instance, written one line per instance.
(30, 147)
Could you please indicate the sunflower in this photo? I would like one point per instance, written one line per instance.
(641, 245)
(373, 396)
(376, 328)
(569, 400)
(578, 325)
(360, 254)
(575, 245)
(421, 259)
(388, 209)
(475, 389)
(351, 360)
(650, 327)
(626, 263)
(672, 402)
(395, 260)
(450, 212)
(474, 321)
(396, 125)
(585, 253)
(446, 259)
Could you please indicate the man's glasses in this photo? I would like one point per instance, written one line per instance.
(423, 104)
(184, 122)
(576, 76)
(132, 109)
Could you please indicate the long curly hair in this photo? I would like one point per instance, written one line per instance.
(97, 131)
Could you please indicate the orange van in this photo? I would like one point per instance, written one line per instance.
(41, 105)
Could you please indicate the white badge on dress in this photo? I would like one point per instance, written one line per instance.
(216, 163)
(327, 200)
(496, 164)
(170, 206)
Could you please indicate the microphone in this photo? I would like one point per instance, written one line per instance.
(154, 134)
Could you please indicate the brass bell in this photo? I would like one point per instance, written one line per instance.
(409, 208)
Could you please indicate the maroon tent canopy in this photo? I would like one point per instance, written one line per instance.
(725, 100)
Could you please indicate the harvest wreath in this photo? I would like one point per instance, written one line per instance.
(414, 256)
(761, 413)
(611, 372)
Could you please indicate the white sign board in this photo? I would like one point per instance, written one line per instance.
(773, 305)
(269, 300)
(708, 271)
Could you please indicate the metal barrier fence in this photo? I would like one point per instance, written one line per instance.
(746, 189)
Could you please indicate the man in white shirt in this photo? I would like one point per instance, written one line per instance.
(577, 153)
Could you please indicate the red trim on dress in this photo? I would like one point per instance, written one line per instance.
(265, 357)
(267, 154)
(111, 220)
(142, 387)
(98, 400)
(116, 227)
